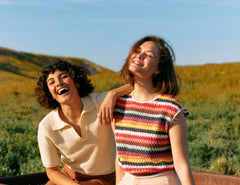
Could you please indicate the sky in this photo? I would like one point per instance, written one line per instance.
(103, 31)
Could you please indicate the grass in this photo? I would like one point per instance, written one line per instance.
(210, 92)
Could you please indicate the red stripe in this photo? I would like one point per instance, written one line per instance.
(151, 170)
(149, 108)
(141, 137)
(131, 102)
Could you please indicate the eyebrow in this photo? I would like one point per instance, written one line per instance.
(48, 79)
(64, 72)
(151, 51)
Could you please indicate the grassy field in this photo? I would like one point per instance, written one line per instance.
(210, 92)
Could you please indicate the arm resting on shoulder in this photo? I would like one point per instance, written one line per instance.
(58, 177)
(179, 145)
(107, 106)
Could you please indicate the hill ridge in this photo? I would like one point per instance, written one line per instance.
(25, 63)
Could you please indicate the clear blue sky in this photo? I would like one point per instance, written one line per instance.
(102, 31)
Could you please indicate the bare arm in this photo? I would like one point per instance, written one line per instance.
(119, 172)
(107, 106)
(179, 145)
(58, 177)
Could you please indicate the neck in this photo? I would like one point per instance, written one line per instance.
(144, 92)
(71, 113)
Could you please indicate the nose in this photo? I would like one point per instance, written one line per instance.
(141, 55)
(58, 82)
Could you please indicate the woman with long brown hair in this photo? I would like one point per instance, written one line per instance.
(149, 123)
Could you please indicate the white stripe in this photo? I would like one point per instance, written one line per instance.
(150, 166)
(145, 114)
(133, 133)
(141, 148)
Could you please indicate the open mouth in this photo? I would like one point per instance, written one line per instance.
(62, 91)
(137, 63)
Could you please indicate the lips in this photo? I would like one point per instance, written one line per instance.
(137, 63)
(62, 91)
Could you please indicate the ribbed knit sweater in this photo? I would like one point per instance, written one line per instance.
(141, 133)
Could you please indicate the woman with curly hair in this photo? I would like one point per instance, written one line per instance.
(72, 129)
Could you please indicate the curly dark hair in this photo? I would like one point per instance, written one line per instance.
(166, 82)
(78, 73)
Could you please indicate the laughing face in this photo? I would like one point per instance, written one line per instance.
(144, 61)
(62, 87)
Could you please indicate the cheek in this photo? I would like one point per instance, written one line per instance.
(51, 90)
(133, 56)
(69, 81)
(129, 66)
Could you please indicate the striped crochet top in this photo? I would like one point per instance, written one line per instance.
(141, 133)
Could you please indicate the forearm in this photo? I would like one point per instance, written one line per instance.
(185, 174)
(179, 146)
(106, 109)
(58, 178)
(120, 91)
(119, 172)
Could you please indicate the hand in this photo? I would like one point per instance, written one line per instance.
(106, 109)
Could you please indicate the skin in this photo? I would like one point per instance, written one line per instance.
(119, 172)
(58, 81)
(179, 145)
(143, 65)
(105, 114)
(71, 108)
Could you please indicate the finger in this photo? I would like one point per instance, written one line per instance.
(107, 117)
(110, 116)
(100, 117)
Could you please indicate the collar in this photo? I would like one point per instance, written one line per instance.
(58, 123)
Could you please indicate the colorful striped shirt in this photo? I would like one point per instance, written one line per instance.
(141, 133)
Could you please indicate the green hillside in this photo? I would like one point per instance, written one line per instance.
(26, 64)
(210, 92)
(19, 70)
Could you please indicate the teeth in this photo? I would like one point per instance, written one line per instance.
(62, 90)
(137, 63)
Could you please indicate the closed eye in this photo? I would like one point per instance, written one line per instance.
(50, 81)
(64, 75)
(150, 54)
(138, 50)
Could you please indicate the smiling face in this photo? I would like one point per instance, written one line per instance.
(144, 60)
(62, 87)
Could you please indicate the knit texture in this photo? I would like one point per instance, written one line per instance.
(141, 133)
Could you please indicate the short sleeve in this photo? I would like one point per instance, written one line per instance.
(48, 151)
(98, 98)
(185, 112)
(176, 106)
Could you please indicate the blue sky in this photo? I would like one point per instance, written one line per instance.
(103, 31)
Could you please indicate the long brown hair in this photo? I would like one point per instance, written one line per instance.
(166, 81)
